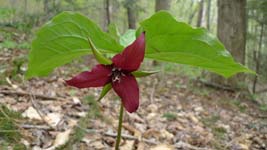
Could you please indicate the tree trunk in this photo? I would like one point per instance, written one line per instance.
(231, 31)
(162, 5)
(46, 6)
(208, 14)
(107, 8)
(200, 13)
(193, 13)
(257, 59)
(130, 6)
(25, 7)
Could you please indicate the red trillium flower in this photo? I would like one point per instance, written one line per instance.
(119, 74)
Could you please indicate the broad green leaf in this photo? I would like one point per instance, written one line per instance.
(104, 91)
(63, 39)
(139, 31)
(139, 74)
(113, 31)
(127, 38)
(173, 41)
(98, 55)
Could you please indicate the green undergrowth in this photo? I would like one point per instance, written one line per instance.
(219, 133)
(9, 132)
(85, 124)
(169, 116)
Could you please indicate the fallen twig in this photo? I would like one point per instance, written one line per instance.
(38, 111)
(30, 126)
(130, 137)
(217, 86)
(20, 93)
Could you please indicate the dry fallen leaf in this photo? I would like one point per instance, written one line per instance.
(61, 139)
(76, 101)
(97, 145)
(166, 135)
(31, 113)
(53, 119)
(162, 147)
(128, 145)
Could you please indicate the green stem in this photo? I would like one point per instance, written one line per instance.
(119, 129)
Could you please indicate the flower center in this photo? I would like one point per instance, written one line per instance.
(116, 74)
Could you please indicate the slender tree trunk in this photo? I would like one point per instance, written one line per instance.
(193, 13)
(257, 58)
(107, 8)
(231, 31)
(200, 13)
(208, 14)
(46, 6)
(25, 7)
(130, 6)
(162, 5)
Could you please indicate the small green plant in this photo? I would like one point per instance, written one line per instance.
(8, 128)
(94, 111)
(169, 116)
(20, 147)
(210, 121)
(8, 44)
(239, 105)
(263, 107)
(84, 123)
(219, 132)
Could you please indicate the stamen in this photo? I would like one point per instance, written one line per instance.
(116, 74)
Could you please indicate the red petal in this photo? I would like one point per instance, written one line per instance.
(98, 76)
(132, 56)
(128, 91)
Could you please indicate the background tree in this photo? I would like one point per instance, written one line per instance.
(208, 14)
(130, 6)
(108, 13)
(200, 13)
(231, 31)
(162, 5)
(257, 13)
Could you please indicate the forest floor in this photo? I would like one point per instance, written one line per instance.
(176, 112)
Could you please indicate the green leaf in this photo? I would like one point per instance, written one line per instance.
(139, 74)
(99, 56)
(127, 38)
(173, 41)
(139, 31)
(63, 39)
(113, 31)
(104, 91)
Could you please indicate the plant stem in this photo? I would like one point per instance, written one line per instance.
(119, 129)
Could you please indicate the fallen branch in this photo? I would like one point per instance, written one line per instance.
(20, 93)
(217, 86)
